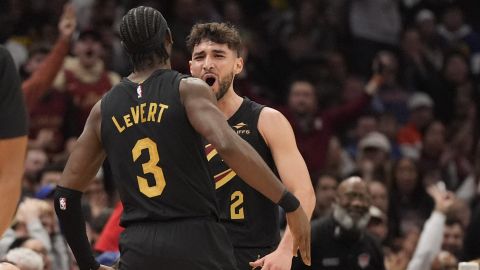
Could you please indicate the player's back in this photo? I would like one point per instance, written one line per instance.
(156, 156)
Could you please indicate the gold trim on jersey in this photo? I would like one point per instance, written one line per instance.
(223, 178)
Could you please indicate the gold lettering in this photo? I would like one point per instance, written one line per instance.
(151, 112)
(135, 114)
(142, 114)
(160, 114)
(126, 117)
(120, 128)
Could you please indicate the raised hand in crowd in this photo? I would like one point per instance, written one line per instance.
(443, 199)
(68, 22)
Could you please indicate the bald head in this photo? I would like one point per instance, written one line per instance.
(354, 198)
(353, 183)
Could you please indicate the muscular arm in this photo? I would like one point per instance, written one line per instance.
(207, 119)
(84, 162)
(278, 135)
(12, 158)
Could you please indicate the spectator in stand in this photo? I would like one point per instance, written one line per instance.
(426, 24)
(341, 240)
(455, 81)
(36, 219)
(365, 124)
(432, 156)
(47, 107)
(392, 97)
(441, 161)
(35, 161)
(313, 128)
(388, 126)
(453, 237)
(430, 242)
(25, 259)
(378, 225)
(418, 72)
(458, 35)
(379, 193)
(325, 192)
(409, 136)
(338, 162)
(374, 157)
(42, 68)
(84, 77)
(410, 204)
(48, 179)
(37, 246)
(95, 198)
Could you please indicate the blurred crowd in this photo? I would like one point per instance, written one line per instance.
(414, 138)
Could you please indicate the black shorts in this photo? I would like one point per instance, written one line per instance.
(246, 255)
(186, 245)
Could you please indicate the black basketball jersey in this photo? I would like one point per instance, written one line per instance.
(156, 157)
(250, 218)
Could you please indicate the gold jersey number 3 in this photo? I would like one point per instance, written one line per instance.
(149, 167)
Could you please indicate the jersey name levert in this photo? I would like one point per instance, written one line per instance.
(153, 112)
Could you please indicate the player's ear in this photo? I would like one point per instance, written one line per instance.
(190, 66)
(238, 65)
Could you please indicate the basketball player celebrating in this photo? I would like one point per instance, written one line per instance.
(250, 218)
(150, 126)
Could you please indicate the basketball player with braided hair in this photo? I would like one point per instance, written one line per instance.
(151, 126)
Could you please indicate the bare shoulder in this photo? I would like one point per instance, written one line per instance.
(271, 123)
(271, 117)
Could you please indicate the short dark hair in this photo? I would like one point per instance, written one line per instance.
(221, 33)
(453, 220)
(142, 32)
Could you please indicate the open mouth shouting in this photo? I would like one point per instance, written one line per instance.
(209, 78)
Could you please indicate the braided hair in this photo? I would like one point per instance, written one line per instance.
(142, 32)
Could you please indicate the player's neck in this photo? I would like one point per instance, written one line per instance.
(230, 103)
(138, 76)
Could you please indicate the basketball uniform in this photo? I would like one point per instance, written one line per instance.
(158, 163)
(251, 219)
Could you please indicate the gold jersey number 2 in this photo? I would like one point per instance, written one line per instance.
(236, 208)
(149, 167)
